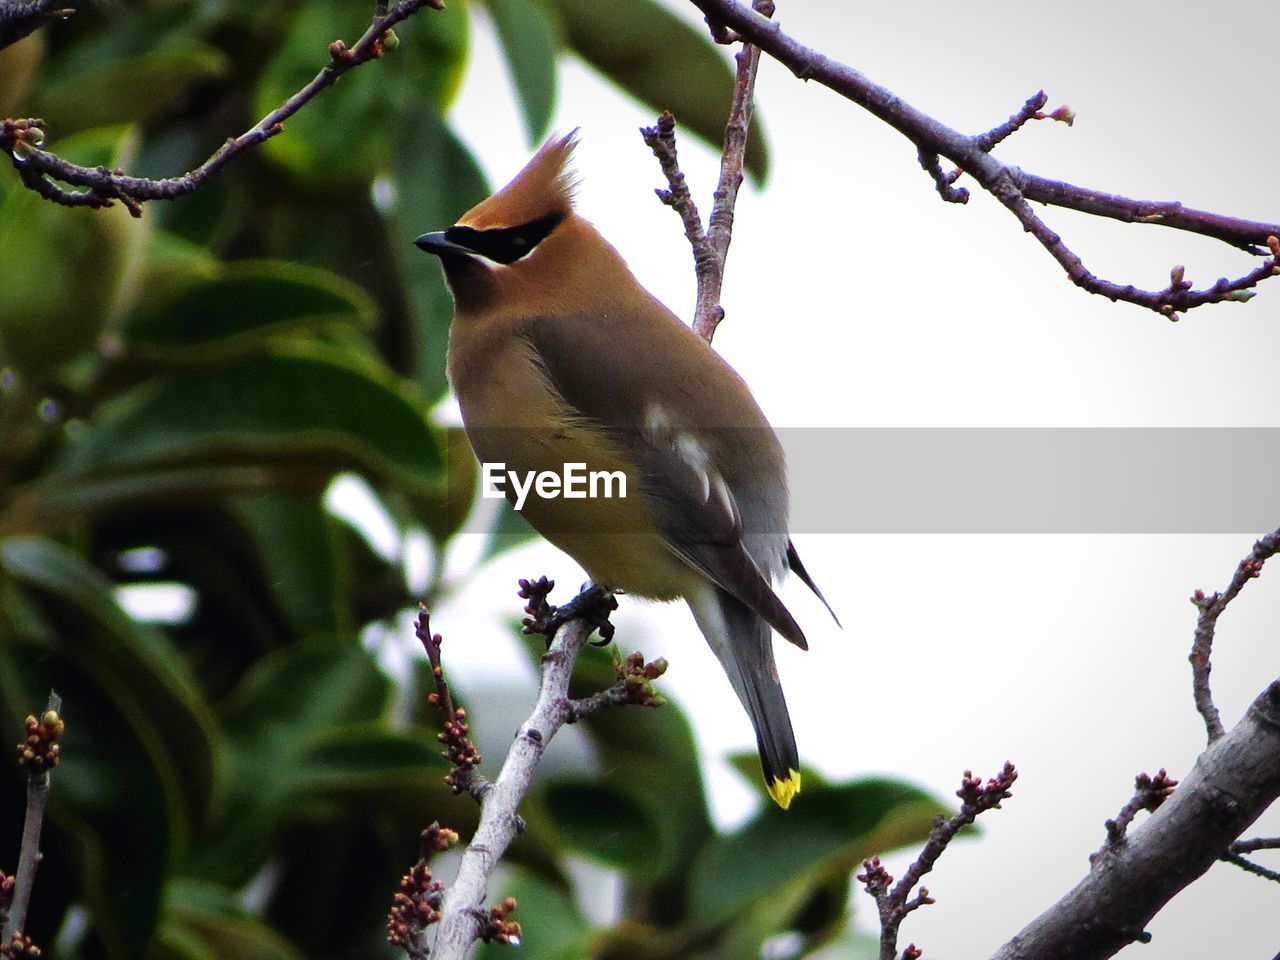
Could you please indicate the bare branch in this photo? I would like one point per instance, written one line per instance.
(1211, 608)
(895, 903)
(1232, 783)
(460, 922)
(456, 736)
(39, 754)
(1014, 188)
(416, 905)
(18, 18)
(39, 169)
(1148, 794)
(1257, 843)
(1257, 869)
(711, 248)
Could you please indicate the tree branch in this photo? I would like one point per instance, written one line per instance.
(1137, 872)
(39, 169)
(1015, 188)
(38, 753)
(18, 18)
(462, 915)
(711, 247)
(1210, 609)
(895, 903)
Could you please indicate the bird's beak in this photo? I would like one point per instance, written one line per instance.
(437, 244)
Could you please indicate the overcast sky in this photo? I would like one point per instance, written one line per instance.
(855, 298)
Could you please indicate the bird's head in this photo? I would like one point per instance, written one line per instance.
(510, 240)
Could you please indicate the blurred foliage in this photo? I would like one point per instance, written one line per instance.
(177, 393)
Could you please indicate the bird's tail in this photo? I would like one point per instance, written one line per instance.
(743, 642)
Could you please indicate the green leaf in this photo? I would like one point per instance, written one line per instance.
(434, 45)
(203, 922)
(368, 760)
(132, 90)
(662, 61)
(68, 272)
(300, 546)
(604, 822)
(135, 662)
(303, 404)
(343, 133)
(239, 306)
(827, 831)
(444, 514)
(287, 703)
(529, 37)
(140, 753)
(436, 181)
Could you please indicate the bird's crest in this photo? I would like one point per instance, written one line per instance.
(543, 188)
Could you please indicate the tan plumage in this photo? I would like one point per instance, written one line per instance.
(558, 355)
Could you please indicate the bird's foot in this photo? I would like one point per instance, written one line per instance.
(593, 604)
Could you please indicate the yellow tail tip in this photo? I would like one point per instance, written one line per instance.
(783, 790)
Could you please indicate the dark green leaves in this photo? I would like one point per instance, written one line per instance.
(135, 89)
(662, 60)
(529, 37)
(436, 181)
(281, 406)
(828, 830)
(240, 305)
(130, 707)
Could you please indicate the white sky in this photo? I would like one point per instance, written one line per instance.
(855, 297)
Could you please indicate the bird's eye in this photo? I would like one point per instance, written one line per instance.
(505, 244)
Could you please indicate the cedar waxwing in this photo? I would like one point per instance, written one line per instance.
(558, 356)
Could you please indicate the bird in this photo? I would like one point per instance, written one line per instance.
(557, 354)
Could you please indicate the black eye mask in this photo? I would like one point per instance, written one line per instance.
(505, 244)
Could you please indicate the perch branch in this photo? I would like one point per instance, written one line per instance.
(38, 753)
(18, 18)
(462, 915)
(1014, 188)
(1211, 608)
(42, 171)
(894, 903)
(1137, 872)
(711, 247)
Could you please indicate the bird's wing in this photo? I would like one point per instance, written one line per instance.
(693, 506)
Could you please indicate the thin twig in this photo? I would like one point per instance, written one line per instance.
(1015, 188)
(1257, 843)
(1148, 794)
(1257, 869)
(461, 913)
(18, 18)
(894, 903)
(711, 247)
(38, 754)
(1211, 608)
(456, 736)
(22, 139)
